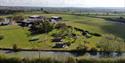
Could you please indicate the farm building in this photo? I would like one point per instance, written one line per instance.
(4, 21)
(31, 20)
(54, 19)
(24, 23)
(35, 18)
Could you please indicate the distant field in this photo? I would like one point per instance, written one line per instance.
(19, 36)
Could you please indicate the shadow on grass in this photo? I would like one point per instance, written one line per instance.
(110, 27)
(115, 29)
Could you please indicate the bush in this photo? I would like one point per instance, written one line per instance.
(15, 48)
(1, 37)
(61, 26)
(46, 12)
(18, 18)
(60, 60)
(42, 27)
(34, 39)
(71, 60)
(96, 34)
(111, 43)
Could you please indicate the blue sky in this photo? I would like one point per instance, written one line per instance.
(64, 3)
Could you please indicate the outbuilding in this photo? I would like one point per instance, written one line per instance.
(56, 18)
(35, 18)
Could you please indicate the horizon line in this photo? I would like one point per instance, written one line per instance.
(61, 6)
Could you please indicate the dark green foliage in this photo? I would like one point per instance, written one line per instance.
(102, 60)
(15, 48)
(46, 12)
(7, 11)
(17, 18)
(43, 26)
(33, 39)
(66, 60)
(10, 60)
(86, 61)
(47, 26)
(61, 26)
(40, 60)
(117, 19)
(57, 33)
(96, 34)
(63, 31)
(1, 19)
(71, 60)
(41, 9)
(1, 37)
(56, 39)
(111, 44)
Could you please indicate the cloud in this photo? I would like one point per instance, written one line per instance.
(64, 3)
(105, 3)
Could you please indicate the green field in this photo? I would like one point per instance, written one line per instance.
(17, 35)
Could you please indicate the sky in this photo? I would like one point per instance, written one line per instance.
(64, 3)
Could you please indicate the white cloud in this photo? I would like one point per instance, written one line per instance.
(105, 3)
(58, 3)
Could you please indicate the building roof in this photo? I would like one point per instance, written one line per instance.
(55, 16)
(35, 16)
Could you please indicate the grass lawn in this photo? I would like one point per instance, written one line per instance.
(18, 35)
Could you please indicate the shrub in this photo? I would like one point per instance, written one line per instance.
(71, 60)
(46, 12)
(111, 43)
(61, 26)
(15, 48)
(1, 37)
(42, 27)
(34, 39)
(96, 34)
(61, 60)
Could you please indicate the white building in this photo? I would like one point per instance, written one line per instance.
(35, 18)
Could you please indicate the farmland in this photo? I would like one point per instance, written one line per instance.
(14, 34)
(102, 35)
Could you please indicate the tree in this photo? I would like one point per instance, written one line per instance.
(41, 9)
(115, 12)
(1, 19)
(44, 26)
(15, 48)
(107, 13)
(46, 12)
(18, 18)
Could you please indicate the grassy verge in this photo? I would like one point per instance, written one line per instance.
(4, 59)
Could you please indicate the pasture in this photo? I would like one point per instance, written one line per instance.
(14, 34)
